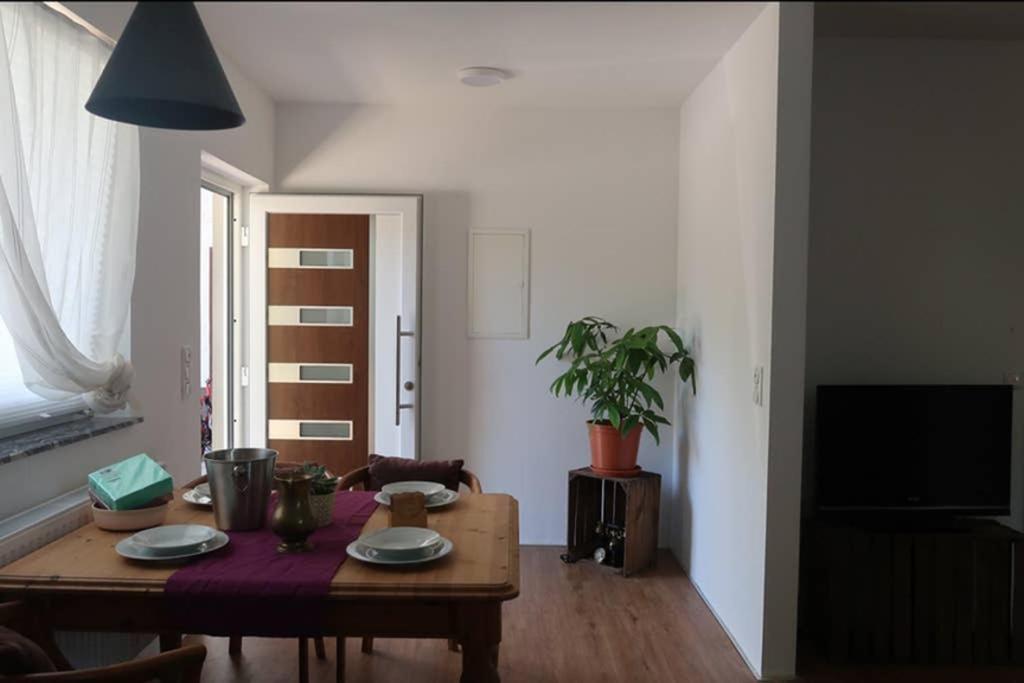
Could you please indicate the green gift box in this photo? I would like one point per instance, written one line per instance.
(130, 483)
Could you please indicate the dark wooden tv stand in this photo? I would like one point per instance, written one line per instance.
(914, 589)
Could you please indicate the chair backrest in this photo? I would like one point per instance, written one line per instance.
(184, 665)
(357, 478)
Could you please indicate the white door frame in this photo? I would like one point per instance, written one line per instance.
(241, 186)
(409, 209)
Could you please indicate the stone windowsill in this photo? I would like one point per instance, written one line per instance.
(28, 444)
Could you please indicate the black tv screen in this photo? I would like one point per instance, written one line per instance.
(942, 448)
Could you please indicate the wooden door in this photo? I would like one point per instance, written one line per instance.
(318, 324)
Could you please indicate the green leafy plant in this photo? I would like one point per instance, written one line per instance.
(615, 376)
(323, 482)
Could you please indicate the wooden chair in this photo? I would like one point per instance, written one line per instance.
(357, 480)
(184, 665)
(235, 642)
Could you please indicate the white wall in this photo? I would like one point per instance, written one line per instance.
(740, 228)
(598, 191)
(165, 303)
(917, 228)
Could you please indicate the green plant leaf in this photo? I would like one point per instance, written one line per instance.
(614, 376)
(674, 337)
(614, 416)
(652, 396)
(547, 352)
(653, 429)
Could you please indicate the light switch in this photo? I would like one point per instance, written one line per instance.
(186, 371)
(759, 385)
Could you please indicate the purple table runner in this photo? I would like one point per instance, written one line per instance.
(248, 588)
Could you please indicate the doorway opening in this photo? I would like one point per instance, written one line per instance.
(214, 385)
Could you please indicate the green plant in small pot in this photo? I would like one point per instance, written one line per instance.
(614, 375)
(324, 487)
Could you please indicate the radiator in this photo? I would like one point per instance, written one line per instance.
(34, 528)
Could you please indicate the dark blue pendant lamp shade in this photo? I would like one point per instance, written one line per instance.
(164, 74)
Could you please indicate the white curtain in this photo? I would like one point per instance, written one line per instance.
(69, 193)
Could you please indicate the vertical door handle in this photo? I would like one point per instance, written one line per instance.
(399, 406)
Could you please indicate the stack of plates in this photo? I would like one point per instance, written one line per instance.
(200, 495)
(437, 495)
(400, 545)
(173, 542)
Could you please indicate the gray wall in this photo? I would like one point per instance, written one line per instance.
(917, 219)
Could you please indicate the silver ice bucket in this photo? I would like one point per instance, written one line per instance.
(240, 484)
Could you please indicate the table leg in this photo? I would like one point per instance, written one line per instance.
(303, 660)
(480, 637)
(339, 647)
(170, 641)
(479, 663)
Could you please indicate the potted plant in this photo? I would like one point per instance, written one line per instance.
(614, 377)
(324, 486)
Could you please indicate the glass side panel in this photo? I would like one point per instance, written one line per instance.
(325, 373)
(325, 316)
(340, 258)
(325, 430)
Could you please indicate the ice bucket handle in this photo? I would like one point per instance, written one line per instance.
(240, 475)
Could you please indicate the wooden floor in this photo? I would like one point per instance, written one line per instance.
(570, 623)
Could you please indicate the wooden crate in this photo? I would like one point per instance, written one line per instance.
(630, 502)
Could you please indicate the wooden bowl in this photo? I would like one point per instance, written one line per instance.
(129, 520)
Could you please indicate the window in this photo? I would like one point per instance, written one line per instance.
(69, 185)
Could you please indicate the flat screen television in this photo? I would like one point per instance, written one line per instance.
(914, 448)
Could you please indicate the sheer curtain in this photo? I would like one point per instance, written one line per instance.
(69, 192)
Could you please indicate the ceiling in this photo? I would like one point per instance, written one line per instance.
(956, 20)
(561, 54)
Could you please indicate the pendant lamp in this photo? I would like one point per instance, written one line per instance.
(164, 73)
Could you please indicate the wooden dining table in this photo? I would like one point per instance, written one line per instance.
(79, 582)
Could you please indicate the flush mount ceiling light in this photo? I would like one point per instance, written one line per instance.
(164, 74)
(482, 76)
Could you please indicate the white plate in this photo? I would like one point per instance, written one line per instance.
(174, 539)
(446, 497)
(401, 542)
(360, 552)
(427, 488)
(133, 551)
(197, 497)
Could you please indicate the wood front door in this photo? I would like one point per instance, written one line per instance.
(318, 324)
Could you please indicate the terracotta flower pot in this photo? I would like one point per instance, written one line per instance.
(611, 452)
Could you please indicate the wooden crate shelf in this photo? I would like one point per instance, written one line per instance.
(631, 502)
